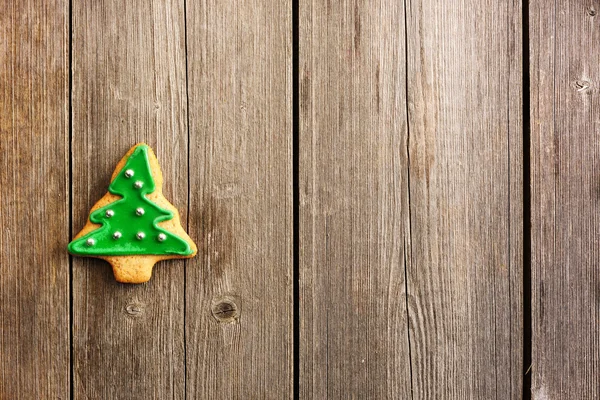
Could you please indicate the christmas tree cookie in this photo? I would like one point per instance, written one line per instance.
(134, 226)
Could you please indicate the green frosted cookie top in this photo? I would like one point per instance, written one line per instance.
(130, 224)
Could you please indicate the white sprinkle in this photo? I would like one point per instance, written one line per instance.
(138, 184)
(162, 237)
(90, 242)
(117, 235)
(109, 213)
(140, 235)
(129, 173)
(139, 211)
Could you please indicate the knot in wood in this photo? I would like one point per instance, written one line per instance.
(581, 85)
(226, 309)
(134, 309)
(591, 11)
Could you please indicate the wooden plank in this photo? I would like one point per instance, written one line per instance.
(459, 235)
(354, 221)
(565, 178)
(466, 177)
(239, 288)
(34, 198)
(128, 86)
(466, 199)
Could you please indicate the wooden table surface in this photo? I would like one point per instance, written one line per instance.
(391, 199)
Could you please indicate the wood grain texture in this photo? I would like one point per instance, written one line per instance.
(239, 288)
(466, 177)
(354, 214)
(129, 86)
(34, 210)
(442, 197)
(565, 181)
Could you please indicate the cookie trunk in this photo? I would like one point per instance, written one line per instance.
(130, 269)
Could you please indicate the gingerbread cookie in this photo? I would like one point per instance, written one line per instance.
(134, 226)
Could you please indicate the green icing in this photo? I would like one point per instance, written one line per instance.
(121, 218)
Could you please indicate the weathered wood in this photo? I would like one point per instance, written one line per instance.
(466, 177)
(354, 214)
(565, 182)
(460, 237)
(34, 200)
(129, 86)
(239, 288)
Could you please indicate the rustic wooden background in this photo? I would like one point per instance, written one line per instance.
(391, 199)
